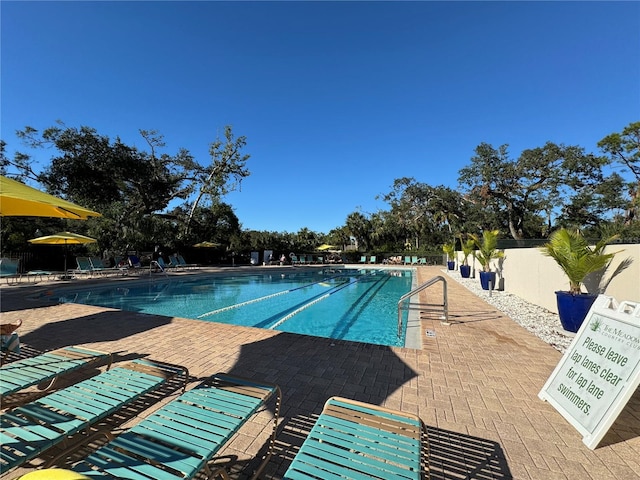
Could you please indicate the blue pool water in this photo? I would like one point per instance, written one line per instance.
(358, 305)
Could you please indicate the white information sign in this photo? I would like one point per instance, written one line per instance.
(600, 370)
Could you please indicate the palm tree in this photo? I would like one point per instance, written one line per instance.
(467, 249)
(487, 248)
(359, 227)
(575, 257)
(450, 250)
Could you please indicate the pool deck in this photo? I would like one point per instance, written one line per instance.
(475, 383)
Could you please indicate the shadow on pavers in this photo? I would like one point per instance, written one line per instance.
(453, 456)
(627, 425)
(107, 326)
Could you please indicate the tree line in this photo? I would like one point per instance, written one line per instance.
(149, 197)
(527, 197)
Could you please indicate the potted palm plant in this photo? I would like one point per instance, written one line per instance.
(486, 252)
(450, 250)
(577, 259)
(467, 249)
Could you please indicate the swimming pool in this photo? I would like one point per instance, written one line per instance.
(345, 304)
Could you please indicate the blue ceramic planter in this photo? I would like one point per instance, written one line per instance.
(465, 271)
(451, 265)
(485, 278)
(573, 309)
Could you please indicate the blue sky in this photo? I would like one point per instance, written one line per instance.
(336, 99)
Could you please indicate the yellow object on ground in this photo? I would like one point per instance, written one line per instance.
(53, 474)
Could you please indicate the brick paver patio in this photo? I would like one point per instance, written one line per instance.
(475, 384)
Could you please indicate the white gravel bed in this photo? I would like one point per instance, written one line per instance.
(541, 322)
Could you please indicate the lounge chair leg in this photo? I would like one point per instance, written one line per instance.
(47, 385)
(221, 472)
(272, 440)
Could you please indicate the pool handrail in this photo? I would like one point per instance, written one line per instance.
(427, 284)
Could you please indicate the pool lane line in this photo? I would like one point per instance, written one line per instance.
(351, 315)
(259, 299)
(316, 300)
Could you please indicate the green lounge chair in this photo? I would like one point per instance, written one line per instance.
(98, 266)
(21, 374)
(354, 440)
(182, 262)
(363, 259)
(179, 440)
(175, 263)
(29, 430)
(160, 265)
(372, 259)
(9, 269)
(84, 267)
(407, 260)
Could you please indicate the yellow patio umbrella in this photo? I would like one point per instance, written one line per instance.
(207, 245)
(326, 246)
(20, 200)
(63, 238)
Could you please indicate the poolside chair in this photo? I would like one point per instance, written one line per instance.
(9, 268)
(363, 259)
(41, 275)
(169, 265)
(407, 260)
(135, 265)
(9, 340)
(372, 259)
(414, 260)
(48, 367)
(9, 344)
(184, 435)
(175, 263)
(98, 266)
(183, 263)
(29, 430)
(84, 267)
(120, 261)
(160, 265)
(134, 261)
(354, 440)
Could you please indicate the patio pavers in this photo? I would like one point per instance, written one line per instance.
(474, 383)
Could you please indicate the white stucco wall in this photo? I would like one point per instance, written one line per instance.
(534, 277)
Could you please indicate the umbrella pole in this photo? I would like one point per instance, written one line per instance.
(64, 275)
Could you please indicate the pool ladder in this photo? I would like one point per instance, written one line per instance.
(405, 301)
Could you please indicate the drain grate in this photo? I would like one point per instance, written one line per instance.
(430, 333)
